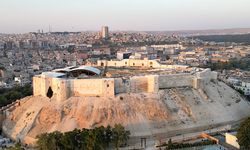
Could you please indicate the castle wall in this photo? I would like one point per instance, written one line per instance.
(137, 84)
(63, 89)
(91, 87)
(176, 80)
(36, 85)
(121, 85)
(130, 63)
(108, 87)
(85, 87)
(153, 83)
(205, 77)
(139, 63)
(206, 74)
(59, 86)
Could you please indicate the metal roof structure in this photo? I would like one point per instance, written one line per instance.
(88, 68)
(53, 74)
(81, 69)
(66, 69)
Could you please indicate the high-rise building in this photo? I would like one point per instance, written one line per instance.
(105, 32)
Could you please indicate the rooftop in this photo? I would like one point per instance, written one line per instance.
(73, 71)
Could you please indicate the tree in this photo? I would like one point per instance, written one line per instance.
(120, 135)
(100, 138)
(49, 141)
(91, 140)
(42, 142)
(3, 100)
(55, 140)
(108, 135)
(16, 147)
(69, 141)
(170, 145)
(15, 95)
(82, 138)
(27, 90)
(243, 134)
(86, 139)
(8, 95)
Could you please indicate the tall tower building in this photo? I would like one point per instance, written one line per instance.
(105, 32)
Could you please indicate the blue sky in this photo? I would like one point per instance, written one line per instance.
(18, 16)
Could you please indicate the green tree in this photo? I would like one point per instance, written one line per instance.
(42, 142)
(55, 140)
(100, 138)
(86, 139)
(108, 135)
(49, 141)
(68, 140)
(14, 95)
(170, 145)
(27, 90)
(91, 140)
(243, 134)
(120, 135)
(16, 147)
(82, 138)
(3, 100)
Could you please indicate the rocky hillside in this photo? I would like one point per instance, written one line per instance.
(170, 110)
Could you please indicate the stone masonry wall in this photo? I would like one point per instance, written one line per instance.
(139, 63)
(137, 84)
(175, 80)
(106, 87)
(63, 88)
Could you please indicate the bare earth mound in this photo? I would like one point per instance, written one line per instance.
(143, 114)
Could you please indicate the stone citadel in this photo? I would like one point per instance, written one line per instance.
(148, 98)
(151, 77)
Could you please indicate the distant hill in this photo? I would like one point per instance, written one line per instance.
(237, 38)
(206, 32)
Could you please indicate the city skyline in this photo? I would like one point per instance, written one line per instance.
(138, 15)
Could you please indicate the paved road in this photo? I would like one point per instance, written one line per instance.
(183, 135)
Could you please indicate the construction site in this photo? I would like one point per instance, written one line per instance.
(148, 98)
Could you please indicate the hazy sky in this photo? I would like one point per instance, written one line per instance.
(79, 15)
